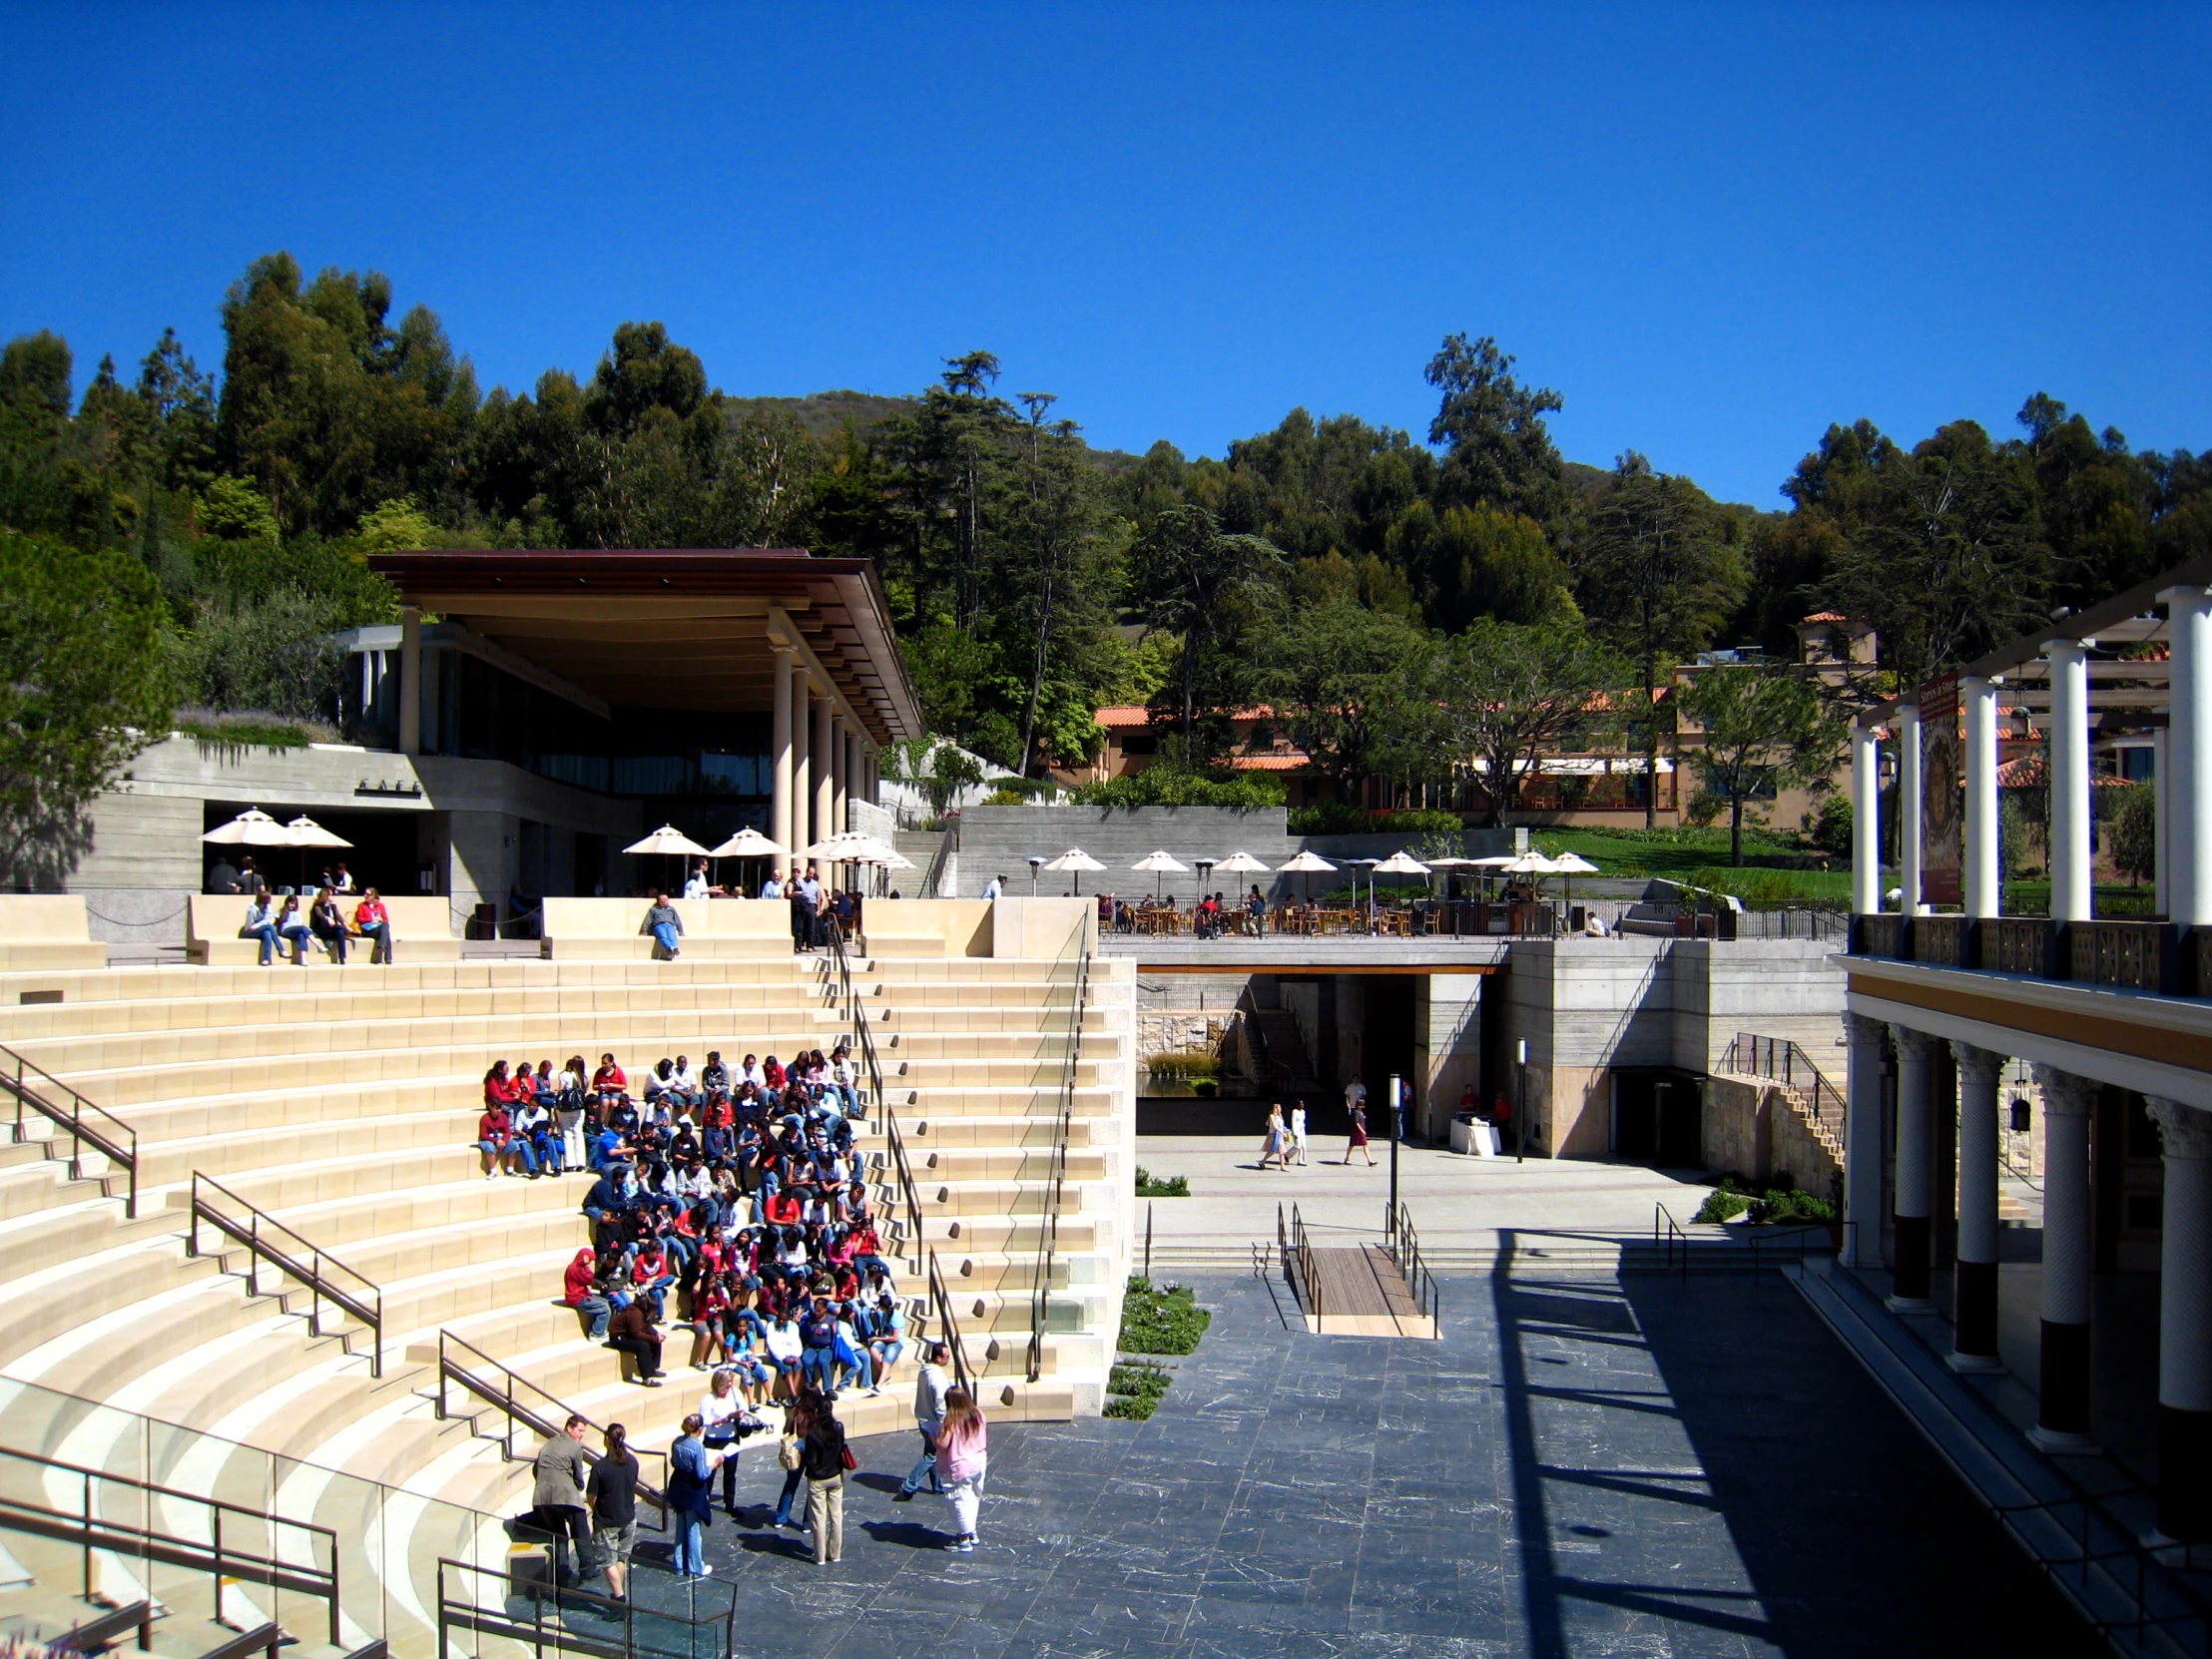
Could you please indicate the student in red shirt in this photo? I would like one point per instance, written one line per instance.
(608, 1084)
(495, 1129)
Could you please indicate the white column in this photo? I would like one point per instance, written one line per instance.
(2185, 1325)
(824, 749)
(2069, 779)
(1984, 875)
(411, 681)
(2062, 1416)
(1909, 808)
(841, 743)
(803, 786)
(2188, 794)
(1865, 820)
(2161, 776)
(1863, 1142)
(1973, 1305)
(780, 794)
(1916, 1152)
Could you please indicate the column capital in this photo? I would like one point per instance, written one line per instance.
(2055, 648)
(2066, 1095)
(2185, 594)
(783, 648)
(1919, 1044)
(1861, 1028)
(1981, 1064)
(2183, 1131)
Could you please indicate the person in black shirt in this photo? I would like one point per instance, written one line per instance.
(613, 1495)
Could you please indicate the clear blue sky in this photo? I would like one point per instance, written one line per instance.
(1713, 230)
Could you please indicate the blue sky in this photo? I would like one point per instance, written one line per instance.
(1714, 230)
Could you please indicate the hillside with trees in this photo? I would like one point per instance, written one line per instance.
(1359, 579)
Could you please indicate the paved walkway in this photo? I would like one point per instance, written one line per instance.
(1610, 1468)
(1455, 1200)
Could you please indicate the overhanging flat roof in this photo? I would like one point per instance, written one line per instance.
(676, 628)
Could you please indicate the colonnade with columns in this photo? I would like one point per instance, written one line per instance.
(821, 759)
(2064, 1366)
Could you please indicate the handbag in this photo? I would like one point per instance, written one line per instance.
(845, 1458)
(788, 1455)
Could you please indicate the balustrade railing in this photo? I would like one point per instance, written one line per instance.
(2127, 954)
(1048, 1236)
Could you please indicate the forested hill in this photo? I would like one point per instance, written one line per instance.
(1329, 566)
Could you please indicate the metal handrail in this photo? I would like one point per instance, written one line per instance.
(1781, 1060)
(949, 1327)
(305, 1261)
(1296, 1248)
(111, 1137)
(933, 877)
(1048, 1233)
(533, 1417)
(274, 1566)
(486, 1607)
(1673, 1232)
(1406, 1254)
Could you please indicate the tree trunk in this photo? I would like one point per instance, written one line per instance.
(1736, 828)
(1651, 747)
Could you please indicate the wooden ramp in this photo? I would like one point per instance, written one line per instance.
(1357, 1291)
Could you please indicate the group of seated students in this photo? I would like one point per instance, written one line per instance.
(731, 1200)
(324, 923)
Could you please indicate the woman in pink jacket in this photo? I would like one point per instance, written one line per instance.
(962, 1446)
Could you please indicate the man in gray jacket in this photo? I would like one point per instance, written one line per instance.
(559, 1497)
(929, 1392)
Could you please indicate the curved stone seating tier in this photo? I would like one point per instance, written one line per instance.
(421, 928)
(346, 1105)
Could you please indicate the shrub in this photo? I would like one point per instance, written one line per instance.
(1151, 1186)
(1160, 1321)
(1166, 784)
(1722, 1204)
(1791, 1204)
(1829, 829)
(235, 735)
(1188, 1067)
(1337, 817)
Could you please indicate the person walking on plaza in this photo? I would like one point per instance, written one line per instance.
(962, 1450)
(824, 1460)
(613, 1495)
(1298, 1131)
(1359, 1141)
(931, 1388)
(691, 1499)
(558, 1497)
(1277, 1143)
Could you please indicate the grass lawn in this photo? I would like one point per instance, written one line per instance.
(1700, 857)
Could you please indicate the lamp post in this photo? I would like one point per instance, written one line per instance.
(1520, 1101)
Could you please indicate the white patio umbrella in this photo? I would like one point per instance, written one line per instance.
(1400, 863)
(749, 842)
(1241, 863)
(303, 833)
(1160, 864)
(669, 841)
(1571, 864)
(252, 828)
(1306, 863)
(1075, 860)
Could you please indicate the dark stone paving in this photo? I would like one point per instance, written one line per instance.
(1642, 1468)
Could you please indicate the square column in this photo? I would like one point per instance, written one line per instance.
(825, 752)
(2063, 1417)
(780, 798)
(1984, 873)
(842, 744)
(1909, 808)
(1865, 820)
(1863, 1142)
(2185, 1325)
(803, 796)
(411, 681)
(1915, 1151)
(2187, 792)
(1974, 1274)
(2069, 779)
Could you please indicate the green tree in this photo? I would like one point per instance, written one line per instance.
(1206, 587)
(1498, 451)
(1350, 684)
(1659, 578)
(2135, 833)
(1510, 692)
(85, 689)
(1763, 731)
(1478, 561)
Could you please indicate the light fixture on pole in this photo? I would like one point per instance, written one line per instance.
(1520, 1100)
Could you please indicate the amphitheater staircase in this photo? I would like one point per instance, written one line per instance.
(343, 1106)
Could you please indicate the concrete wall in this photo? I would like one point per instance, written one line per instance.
(1447, 1047)
(470, 817)
(1750, 1129)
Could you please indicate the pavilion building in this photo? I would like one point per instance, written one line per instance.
(1947, 989)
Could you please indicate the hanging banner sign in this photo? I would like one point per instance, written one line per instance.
(1943, 828)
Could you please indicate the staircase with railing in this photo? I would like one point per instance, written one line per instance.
(38, 1091)
(1823, 1107)
(1040, 1309)
(266, 1239)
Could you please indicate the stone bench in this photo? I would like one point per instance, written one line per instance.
(714, 929)
(421, 930)
(47, 930)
